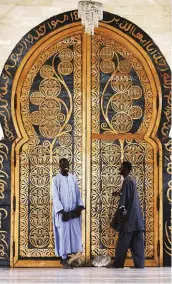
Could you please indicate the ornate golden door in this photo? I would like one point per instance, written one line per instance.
(94, 101)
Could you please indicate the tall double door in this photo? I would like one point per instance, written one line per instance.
(92, 100)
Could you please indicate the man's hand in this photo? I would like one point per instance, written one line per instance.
(116, 193)
(65, 216)
(78, 211)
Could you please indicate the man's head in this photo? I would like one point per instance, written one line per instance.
(125, 168)
(64, 166)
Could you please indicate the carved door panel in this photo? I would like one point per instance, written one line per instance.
(92, 100)
(123, 115)
(50, 118)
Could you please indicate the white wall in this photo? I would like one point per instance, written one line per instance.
(17, 17)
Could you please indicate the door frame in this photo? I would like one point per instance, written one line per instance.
(59, 33)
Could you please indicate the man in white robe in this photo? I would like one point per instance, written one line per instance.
(67, 207)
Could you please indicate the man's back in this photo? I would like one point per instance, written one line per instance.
(135, 218)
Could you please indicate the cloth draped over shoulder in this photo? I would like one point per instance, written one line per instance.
(66, 196)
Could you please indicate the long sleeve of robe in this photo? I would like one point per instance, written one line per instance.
(66, 196)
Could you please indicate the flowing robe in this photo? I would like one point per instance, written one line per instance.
(135, 218)
(66, 195)
(130, 232)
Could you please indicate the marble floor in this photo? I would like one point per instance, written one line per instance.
(85, 275)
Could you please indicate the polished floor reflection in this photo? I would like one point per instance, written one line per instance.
(85, 275)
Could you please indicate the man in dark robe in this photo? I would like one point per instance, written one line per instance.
(130, 231)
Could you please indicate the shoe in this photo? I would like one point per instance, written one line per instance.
(136, 267)
(66, 265)
(111, 265)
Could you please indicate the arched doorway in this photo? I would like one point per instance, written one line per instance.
(94, 101)
(97, 101)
